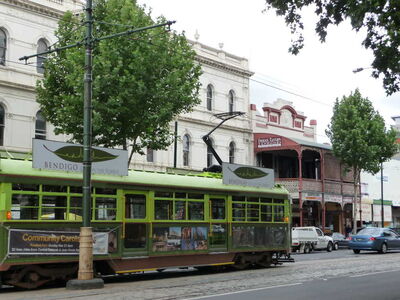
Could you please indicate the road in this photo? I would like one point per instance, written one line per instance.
(319, 275)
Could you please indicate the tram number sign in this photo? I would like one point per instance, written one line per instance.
(40, 242)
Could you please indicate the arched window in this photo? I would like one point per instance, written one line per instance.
(2, 124)
(40, 126)
(210, 95)
(231, 152)
(42, 47)
(210, 155)
(186, 149)
(150, 155)
(3, 47)
(231, 101)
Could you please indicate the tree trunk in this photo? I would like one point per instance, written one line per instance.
(355, 178)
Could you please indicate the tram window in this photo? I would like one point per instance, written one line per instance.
(54, 208)
(196, 211)
(238, 198)
(266, 213)
(279, 201)
(54, 188)
(135, 236)
(253, 213)
(163, 209)
(238, 212)
(195, 196)
(105, 191)
(266, 200)
(218, 235)
(180, 210)
(279, 213)
(135, 206)
(163, 194)
(105, 208)
(25, 207)
(253, 199)
(75, 189)
(75, 202)
(217, 209)
(25, 187)
(180, 195)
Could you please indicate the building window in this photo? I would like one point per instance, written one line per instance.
(40, 126)
(186, 149)
(210, 154)
(273, 119)
(150, 155)
(231, 152)
(210, 95)
(2, 124)
(231, 100)
(42, 47)
(297, 124)
(3, 47)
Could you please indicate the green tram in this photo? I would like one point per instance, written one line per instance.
(143, 221)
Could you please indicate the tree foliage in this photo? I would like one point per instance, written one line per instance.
(380, 18)
(141, 82)
(359, 137)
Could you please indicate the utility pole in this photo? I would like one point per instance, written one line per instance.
(382, 209)
(85, 274)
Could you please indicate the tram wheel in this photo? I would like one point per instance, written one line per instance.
(240, 263)
(265, 261)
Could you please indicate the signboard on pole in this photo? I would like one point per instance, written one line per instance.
(234, 174)
(52, 155)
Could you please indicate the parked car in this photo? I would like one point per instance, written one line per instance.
(375, 239)
(339, 241)
(306, 239)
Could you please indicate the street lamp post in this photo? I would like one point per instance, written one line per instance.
(382, 210)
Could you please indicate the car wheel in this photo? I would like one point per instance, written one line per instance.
(356, 251)
(307, 249)
(335, 246)
(383, 249)
(330, 247)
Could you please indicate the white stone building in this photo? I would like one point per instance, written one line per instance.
(27, 26)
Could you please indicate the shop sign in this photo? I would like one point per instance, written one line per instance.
(40, 242)
(387, 213)
(366, 212)
(348, 199)
(269, 142)
(395, 202)
(59, 156)
(310, 196)
(333, 198)
(234, 174)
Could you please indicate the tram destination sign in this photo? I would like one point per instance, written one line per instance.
(234, 174)
(43, 242)
(59, 156)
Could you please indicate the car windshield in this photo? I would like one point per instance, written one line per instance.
(369, 231)
(337, 235)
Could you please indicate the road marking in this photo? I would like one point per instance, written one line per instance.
(245, 291)
(373, 273)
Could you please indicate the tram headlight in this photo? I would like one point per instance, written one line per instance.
(8, 215)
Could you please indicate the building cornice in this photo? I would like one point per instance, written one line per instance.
(16, 85)
(35, 7)
(208, 124)
(222, 66)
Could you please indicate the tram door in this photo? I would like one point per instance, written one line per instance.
(135, 226)
(218, 226)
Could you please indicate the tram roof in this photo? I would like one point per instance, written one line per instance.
(23, 168)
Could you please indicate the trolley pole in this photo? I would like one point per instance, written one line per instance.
(86, 236)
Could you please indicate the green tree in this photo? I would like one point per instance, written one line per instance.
(359, 138)
(380, 18)
(141, 82)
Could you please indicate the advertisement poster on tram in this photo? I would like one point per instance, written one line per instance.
(176, 238)
(41, 242)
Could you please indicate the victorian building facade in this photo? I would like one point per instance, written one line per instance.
(322, 193)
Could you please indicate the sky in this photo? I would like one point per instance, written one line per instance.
(312, 80)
